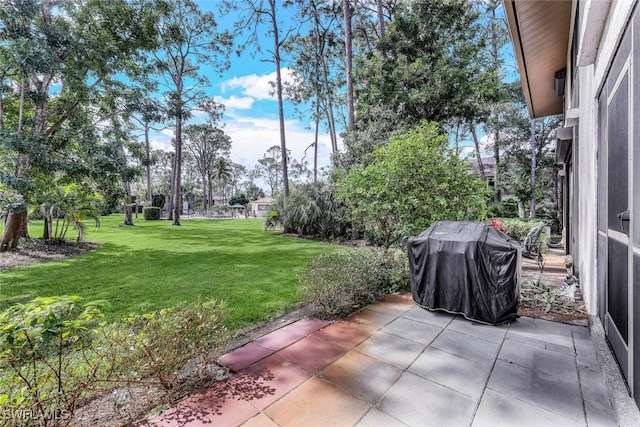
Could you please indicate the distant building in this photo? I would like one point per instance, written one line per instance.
(489, 168)
(260, 207)
(218, 200)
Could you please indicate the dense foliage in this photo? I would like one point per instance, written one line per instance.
(428, 66)
(310, 210)
(57, 352)
(518, 155)
(151, 213)
(43, 356)
(415, 180)
(515, 227)
(59, 63)
(339, 283)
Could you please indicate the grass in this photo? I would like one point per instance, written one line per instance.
(155, 265)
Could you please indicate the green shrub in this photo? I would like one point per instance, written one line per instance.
(519, 228)
(47, 361)
(158, 200)
(310, 210)
(163, 341)
(56, 354)
(551, 218)
(411, 182)
(340, 283)
(151, 213)
(503, 209)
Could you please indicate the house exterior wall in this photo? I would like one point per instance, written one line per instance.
(585, 185)
(608, 38)
(260, 208)
(591, 67)
(599, 146)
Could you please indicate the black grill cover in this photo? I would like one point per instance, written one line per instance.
(467, 268)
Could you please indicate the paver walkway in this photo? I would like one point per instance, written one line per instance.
(396, 364)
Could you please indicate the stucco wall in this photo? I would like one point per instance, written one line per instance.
(591, 78)
(586, 153)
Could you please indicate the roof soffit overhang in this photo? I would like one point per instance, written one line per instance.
(540, 31)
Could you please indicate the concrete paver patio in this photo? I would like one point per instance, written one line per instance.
(396, 364)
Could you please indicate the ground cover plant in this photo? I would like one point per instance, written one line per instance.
(153, 265)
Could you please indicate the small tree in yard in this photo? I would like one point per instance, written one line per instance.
(415, 180)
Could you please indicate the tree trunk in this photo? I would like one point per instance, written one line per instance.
(177, 199)
(477, 144)
(14, 228)
(327, 106)
(1, 104)
(128, 217)
(210, 191)
(457, 139)
(332, 128)
(315, 151)
(21, 108)
(148, 159)
(380, 19)
(46, 234)
(348, 35)
(496, 160)
(169, 202)
(204, 193)
(283, 144)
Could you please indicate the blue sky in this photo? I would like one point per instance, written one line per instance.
(251, 114)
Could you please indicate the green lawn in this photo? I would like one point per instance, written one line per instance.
(154, 265)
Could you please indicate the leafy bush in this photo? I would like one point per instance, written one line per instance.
(342, 282)
(550, 216)
(519, 228)
(239, 199)
(504, 209)
(158, 200)
(69, 205)
(151, 213)
(163, 341)
(413, 181)
(310, 210)
(46, 359)
(56, 353)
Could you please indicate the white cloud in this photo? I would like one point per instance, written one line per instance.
(198, 113)
(252, 137)
(163, 144)
(258, 87)
(235, 103)
(168, 132)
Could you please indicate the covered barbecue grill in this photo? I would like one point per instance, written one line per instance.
(467, 268)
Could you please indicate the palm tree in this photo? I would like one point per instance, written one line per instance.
(69, 205)
(222, 170)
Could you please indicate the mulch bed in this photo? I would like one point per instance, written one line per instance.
(32, 251)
